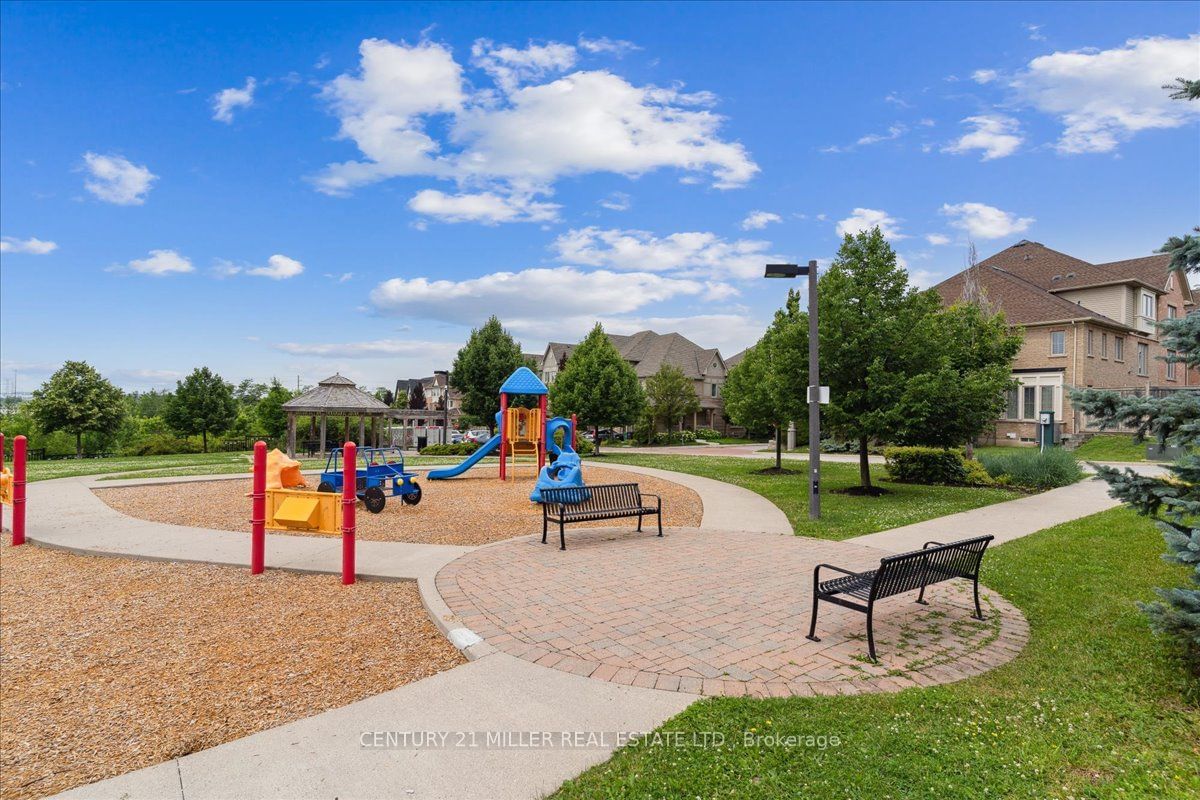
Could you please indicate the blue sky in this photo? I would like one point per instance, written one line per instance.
(292, 189)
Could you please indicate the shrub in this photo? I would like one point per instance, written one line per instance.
(977, 475)
(835, 446)
(1030, 469)
(707, 433)
(928, 465)
(584, 446)
(460, 449)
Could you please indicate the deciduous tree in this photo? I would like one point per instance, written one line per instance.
(78, 400)
(481, 366)
(670, 396)
(202, 404)
(598, 386)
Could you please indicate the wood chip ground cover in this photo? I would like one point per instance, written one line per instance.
(110, 665)
(461, 511)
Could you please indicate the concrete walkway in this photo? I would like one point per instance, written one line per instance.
(324, 756)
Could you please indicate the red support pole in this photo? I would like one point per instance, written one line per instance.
(542, 446)
(349, 495)
(258, 510)
(503, 431)
(574, 434)
(19, 490)
(1, 470)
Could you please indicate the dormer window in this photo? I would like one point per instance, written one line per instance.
(1147, 305)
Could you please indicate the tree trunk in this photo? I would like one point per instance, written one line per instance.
(969, 449)
(864, 466)
(778, 448)
(79, 445)
(204, 438)
(596, 438)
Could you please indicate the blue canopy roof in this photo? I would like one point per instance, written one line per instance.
(523, 381)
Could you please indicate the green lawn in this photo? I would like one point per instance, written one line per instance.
(1095, 707)
(1111, 447)
(842, 515)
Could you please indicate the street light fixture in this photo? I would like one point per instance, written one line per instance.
(814, 383)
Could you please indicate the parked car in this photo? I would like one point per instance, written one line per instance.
(479, 435)
(456, 437)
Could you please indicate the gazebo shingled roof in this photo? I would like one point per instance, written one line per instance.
(337, 395)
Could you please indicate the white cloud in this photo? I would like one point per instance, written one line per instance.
(376, 348)
(984, 75)
(160, 263)
(690, 254)
(225, 101)
(617, 201)
(509, 67)
(864, 219)
(37, 247)
(279, 267)
(757, 220)
(893, 132)
(115, 179)
(486, 207)
(996, 135)
(897, 100)
(937, 239)
(526, 296)
(924, 278)
(1034, 31)
(985, 222)
(345, 276)
(524, 138)
(1103, 97)
(617, 47)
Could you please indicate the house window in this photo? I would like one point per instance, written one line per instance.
(1170, 366)
(1047, 399)
(714, 389)
(1119, 348)
(1148, 306)
(1143, 356)
(1171, 312)
(1058, 343)
(1089, 341)
(1028, 410)
(1011, 399)
(1104, 345)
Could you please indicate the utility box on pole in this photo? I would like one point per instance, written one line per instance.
(1045, 430)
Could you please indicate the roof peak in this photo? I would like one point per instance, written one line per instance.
(337, 379)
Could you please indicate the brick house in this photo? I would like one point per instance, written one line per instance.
(647, 351)
(1086, 325)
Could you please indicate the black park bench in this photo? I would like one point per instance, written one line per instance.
(595, 502)
(905, 572)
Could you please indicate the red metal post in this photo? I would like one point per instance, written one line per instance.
(574, 434)
(503, 431)
(19, 490)
(1, 470)
(349, 495)
(258, 510)
(542, 446)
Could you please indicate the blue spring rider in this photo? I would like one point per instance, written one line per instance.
(565, 470)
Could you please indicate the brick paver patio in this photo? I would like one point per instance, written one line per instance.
(716, 613)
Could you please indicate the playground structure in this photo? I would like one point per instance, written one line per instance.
(380, 466)
(12, 487)
(316, 516)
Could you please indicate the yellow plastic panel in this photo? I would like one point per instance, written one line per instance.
(293, 510)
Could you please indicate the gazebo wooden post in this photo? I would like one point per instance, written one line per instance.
(362, 431)
(323, 416)
(291, 440)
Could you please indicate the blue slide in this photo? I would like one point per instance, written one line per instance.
(452, 472)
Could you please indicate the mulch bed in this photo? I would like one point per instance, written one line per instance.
(460, 511)
(109, 665)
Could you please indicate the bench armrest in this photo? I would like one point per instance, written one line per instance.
(832, 567)
(939, 544)
(656, 497)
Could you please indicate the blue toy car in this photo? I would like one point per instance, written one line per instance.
(379, 465)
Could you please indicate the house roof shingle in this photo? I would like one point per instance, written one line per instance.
(648, 351)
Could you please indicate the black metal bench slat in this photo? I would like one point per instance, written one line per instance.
(904, 572)
(596, 502)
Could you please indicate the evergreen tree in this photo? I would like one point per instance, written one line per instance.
(670, 396)
(868, 314)
(384, 395)
(598, 386)
(481, 366)
(78, 400)
(1174, 500)
(203, 403)
(416, 396)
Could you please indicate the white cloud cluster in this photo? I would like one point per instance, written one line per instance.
(757, 220)
(1103, 97)
(489, 208)
(522, 136)
(985, 222)
(278, 268)
(603, 44)
(528, 295)
(160, 263)
(997, 135)
(984, 75)
(937, 239)
(691, 254)
(226, 101)
(376, 348)
(32, 246)
(617, 201)
(864, 219)
(116, 179)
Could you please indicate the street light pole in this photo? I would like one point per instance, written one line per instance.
(814, 380)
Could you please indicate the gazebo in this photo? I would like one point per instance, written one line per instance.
(336, 396)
